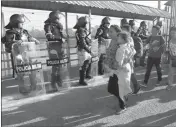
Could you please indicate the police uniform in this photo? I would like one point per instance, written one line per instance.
(142, 32)
(159, 24)
(102, 32)
(84, 50)
(123, 22)
(53, 31)
(17, 35)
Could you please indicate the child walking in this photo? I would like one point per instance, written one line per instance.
(172, 63)
(156, 49)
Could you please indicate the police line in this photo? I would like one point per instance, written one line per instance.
(28, 67)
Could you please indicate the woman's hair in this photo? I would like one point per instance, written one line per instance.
(125, 36)
(116, 28)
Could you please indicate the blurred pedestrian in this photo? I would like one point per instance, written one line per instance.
(172, 53)
(124, 58)
(156, 49)
(134, 81)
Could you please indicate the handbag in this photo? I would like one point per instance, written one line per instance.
(113, 85)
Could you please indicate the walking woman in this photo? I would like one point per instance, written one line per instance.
(119, 56)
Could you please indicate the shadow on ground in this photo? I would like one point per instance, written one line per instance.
(78, 106)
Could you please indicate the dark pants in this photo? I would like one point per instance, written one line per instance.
(100, 64)
(56, 77)
(142, 59)
(134, 81)
(13, 68)
(85, 71)
(150, 62)
(113, 88)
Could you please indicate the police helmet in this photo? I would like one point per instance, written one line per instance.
(105, 20)
(15, 19)
(55, 15)
(143, 23)
(82, 21)
(124, 21)
(131, 22)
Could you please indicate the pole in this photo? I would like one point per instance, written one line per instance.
(2, 25)
(68, 44)
(159, 4)
(90, 19)
(159, 7)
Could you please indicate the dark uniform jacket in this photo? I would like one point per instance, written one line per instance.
(83, 41)
(102, 32)
(138, 45)
(13, 36)
(54, 31)
(142, 33)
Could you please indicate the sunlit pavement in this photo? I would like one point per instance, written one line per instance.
(92, 106)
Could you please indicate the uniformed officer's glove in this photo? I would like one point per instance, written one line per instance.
(49, 37)
(19, 58)
(35, 40)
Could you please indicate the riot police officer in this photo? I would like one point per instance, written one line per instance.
(84, 50)
(54, 32)
(143, 31)
(132, 24)
(102, 33)
(16, 34)
(123, 22)
(160, 24)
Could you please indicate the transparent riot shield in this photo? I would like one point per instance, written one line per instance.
(102, 48)
(94, 50)
(27, 67)
(59, 63)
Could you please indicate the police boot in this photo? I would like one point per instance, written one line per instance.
(100, 66)
(53, 83)
(88, 72)
(82, 75)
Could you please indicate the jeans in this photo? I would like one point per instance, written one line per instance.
(100, 64)
(134, 82)
(150, 62)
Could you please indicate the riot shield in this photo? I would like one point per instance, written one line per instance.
(102, 48)
(27, 67)
(59, 61)
(94, 64)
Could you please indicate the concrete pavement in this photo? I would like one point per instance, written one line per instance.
(92, 106)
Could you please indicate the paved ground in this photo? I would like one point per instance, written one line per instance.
(91, 107)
